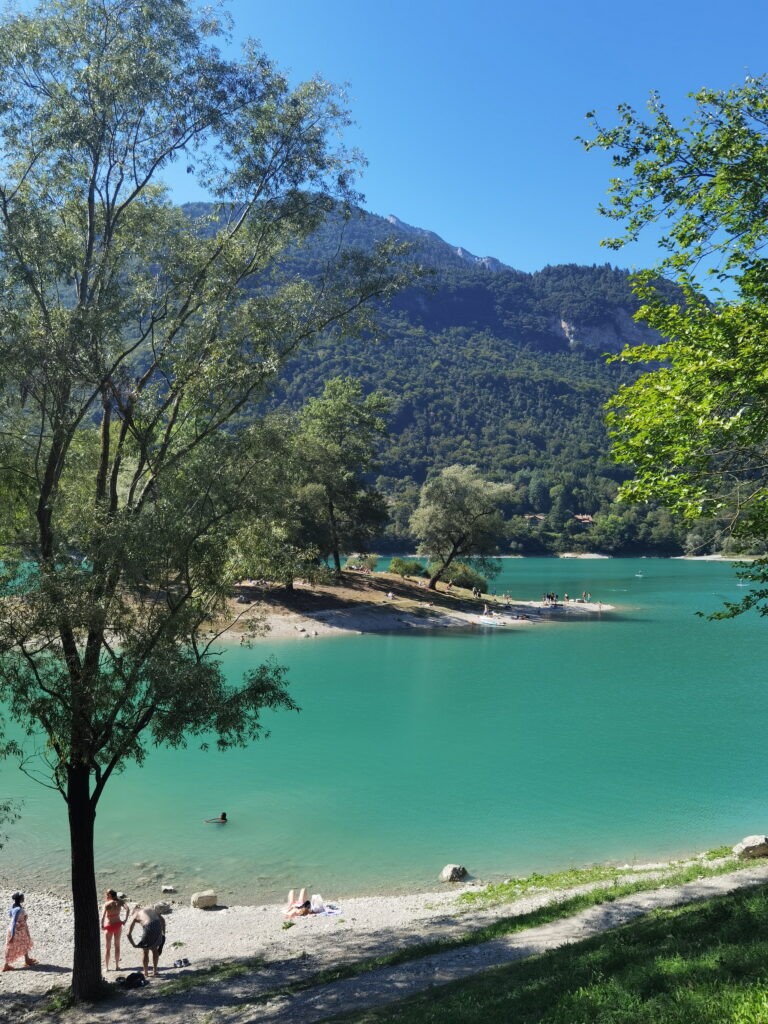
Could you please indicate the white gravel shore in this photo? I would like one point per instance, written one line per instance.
(237, 932)
(367, 927)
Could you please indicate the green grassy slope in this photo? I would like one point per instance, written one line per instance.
(700, 964)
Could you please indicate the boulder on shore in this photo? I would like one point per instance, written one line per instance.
(752, 846)
(203, 900)
(162, 907)
(453, 873)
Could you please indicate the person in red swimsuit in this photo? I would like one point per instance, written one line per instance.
(112, 922)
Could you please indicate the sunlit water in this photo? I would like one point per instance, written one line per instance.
(631, 736)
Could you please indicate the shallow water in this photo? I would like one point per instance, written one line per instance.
(631, 736)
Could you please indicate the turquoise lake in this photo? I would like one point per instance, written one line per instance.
(631, 736)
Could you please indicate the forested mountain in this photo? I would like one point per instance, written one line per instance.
(495, 367)
(492, 366)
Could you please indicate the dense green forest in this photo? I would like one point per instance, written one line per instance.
(489, 366)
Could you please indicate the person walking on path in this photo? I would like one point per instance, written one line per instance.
(112, 923)
(152, 935)
(18, 942)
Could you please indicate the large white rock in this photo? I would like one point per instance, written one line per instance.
(752, 846)
(203, 900)
(453, 873)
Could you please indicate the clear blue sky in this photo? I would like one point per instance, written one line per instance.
(467, 112)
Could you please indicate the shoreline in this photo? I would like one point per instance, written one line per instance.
(242, 932)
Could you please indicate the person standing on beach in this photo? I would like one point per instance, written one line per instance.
(152, 934)
(18, 942)
(112, 923)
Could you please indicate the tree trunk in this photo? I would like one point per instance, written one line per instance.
(432, 585)
(86, 967)
(438, 575)
(334, 538)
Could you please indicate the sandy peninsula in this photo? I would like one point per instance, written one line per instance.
(382, 602)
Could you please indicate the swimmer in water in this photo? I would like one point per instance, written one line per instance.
(221, 820)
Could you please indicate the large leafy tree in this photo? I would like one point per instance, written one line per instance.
(699, 184)
(459, 516)
(282, 542)
(696, 427)
(338, 437)
(132, 343)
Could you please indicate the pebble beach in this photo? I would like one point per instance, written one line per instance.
(276, 956)
(227, 932)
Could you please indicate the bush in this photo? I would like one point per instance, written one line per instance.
(407, 567)
(461, 575)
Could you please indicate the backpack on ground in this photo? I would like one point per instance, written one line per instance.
(134, 980)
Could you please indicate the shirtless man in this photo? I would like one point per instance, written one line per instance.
(152, 937)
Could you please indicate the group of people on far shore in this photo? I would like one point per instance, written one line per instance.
(148, 924)
(552, 599)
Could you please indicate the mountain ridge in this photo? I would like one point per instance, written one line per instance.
(489, 262)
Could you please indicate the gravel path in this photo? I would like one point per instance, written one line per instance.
(368, 927)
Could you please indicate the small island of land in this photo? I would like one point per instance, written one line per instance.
(363, 602)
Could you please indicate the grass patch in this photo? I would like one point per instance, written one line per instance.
(717, 853)
(517, 888)
(206, 975)
(553, 911)
(704, 963)
(60, 997)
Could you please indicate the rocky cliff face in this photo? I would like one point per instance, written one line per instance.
(612, 334)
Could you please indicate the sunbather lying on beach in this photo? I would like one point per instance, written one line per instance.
(298, 907)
